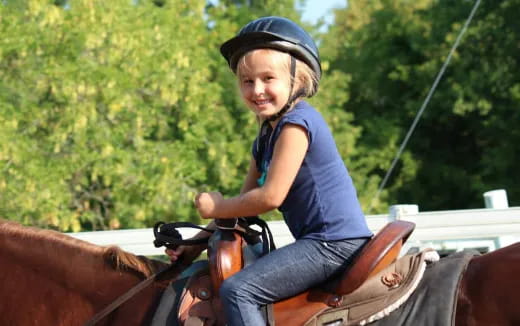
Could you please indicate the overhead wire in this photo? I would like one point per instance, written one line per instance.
(423, 106)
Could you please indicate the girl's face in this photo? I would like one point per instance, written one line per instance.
(264, 81)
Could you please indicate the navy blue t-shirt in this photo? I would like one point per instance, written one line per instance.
(322, 202)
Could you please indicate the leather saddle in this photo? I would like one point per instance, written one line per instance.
(225, 254)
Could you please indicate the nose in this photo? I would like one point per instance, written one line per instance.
(259, 88)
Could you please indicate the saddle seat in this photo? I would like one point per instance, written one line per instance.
(381, 251)
(225, 254)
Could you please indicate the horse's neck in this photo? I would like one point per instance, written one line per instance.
(76, 264)
(63, 280)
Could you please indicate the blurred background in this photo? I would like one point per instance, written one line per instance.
(114, 114)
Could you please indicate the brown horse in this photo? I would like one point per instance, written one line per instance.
(48, 278)
(489, 293)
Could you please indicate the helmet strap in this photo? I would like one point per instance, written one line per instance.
(292, 98)
(264, 128)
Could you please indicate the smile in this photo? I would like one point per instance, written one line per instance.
(262, 102)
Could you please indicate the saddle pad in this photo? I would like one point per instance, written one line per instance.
(433, 302)
(425, 294)
(379, 295)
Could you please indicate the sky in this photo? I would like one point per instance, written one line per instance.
(315, 9)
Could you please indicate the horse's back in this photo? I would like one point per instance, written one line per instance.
(490, 289)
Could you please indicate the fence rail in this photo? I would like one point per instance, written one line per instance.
(457, 229)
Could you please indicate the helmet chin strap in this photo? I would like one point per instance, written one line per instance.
(292, 98)
(265, 124)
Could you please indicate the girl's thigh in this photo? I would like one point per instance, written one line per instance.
(293, 268)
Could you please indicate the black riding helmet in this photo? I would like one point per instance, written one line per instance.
(276, 33)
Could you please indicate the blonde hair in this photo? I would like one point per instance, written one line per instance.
(305, 78)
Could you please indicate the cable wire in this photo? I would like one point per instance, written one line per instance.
(423, 106)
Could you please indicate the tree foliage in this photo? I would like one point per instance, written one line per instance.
(463, 144)
(110, 112)
(114, 114)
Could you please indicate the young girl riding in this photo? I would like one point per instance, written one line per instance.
(295, 167)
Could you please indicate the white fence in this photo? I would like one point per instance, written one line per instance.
(458, 229)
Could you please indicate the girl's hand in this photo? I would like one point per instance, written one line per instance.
(206, 203)
(175, 254)
(187, 253)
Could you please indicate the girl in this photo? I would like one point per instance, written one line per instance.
(295, 167)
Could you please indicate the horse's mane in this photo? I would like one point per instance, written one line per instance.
(122, 260)
(112, 255)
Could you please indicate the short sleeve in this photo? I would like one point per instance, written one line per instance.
(298, 120)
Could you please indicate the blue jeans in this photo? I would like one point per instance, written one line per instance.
(283, 273)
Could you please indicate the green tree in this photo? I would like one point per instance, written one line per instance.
(108, 117)
(463, 145)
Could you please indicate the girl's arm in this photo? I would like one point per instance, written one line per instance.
(192, 252)
(249, 183)
(252, 175)
(289, 152)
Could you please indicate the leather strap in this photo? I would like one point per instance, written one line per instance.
(166, 234)
(243, 226)
(174, 268)
(291, 98)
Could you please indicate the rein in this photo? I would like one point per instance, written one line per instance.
(167, 235)
(177, 268)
